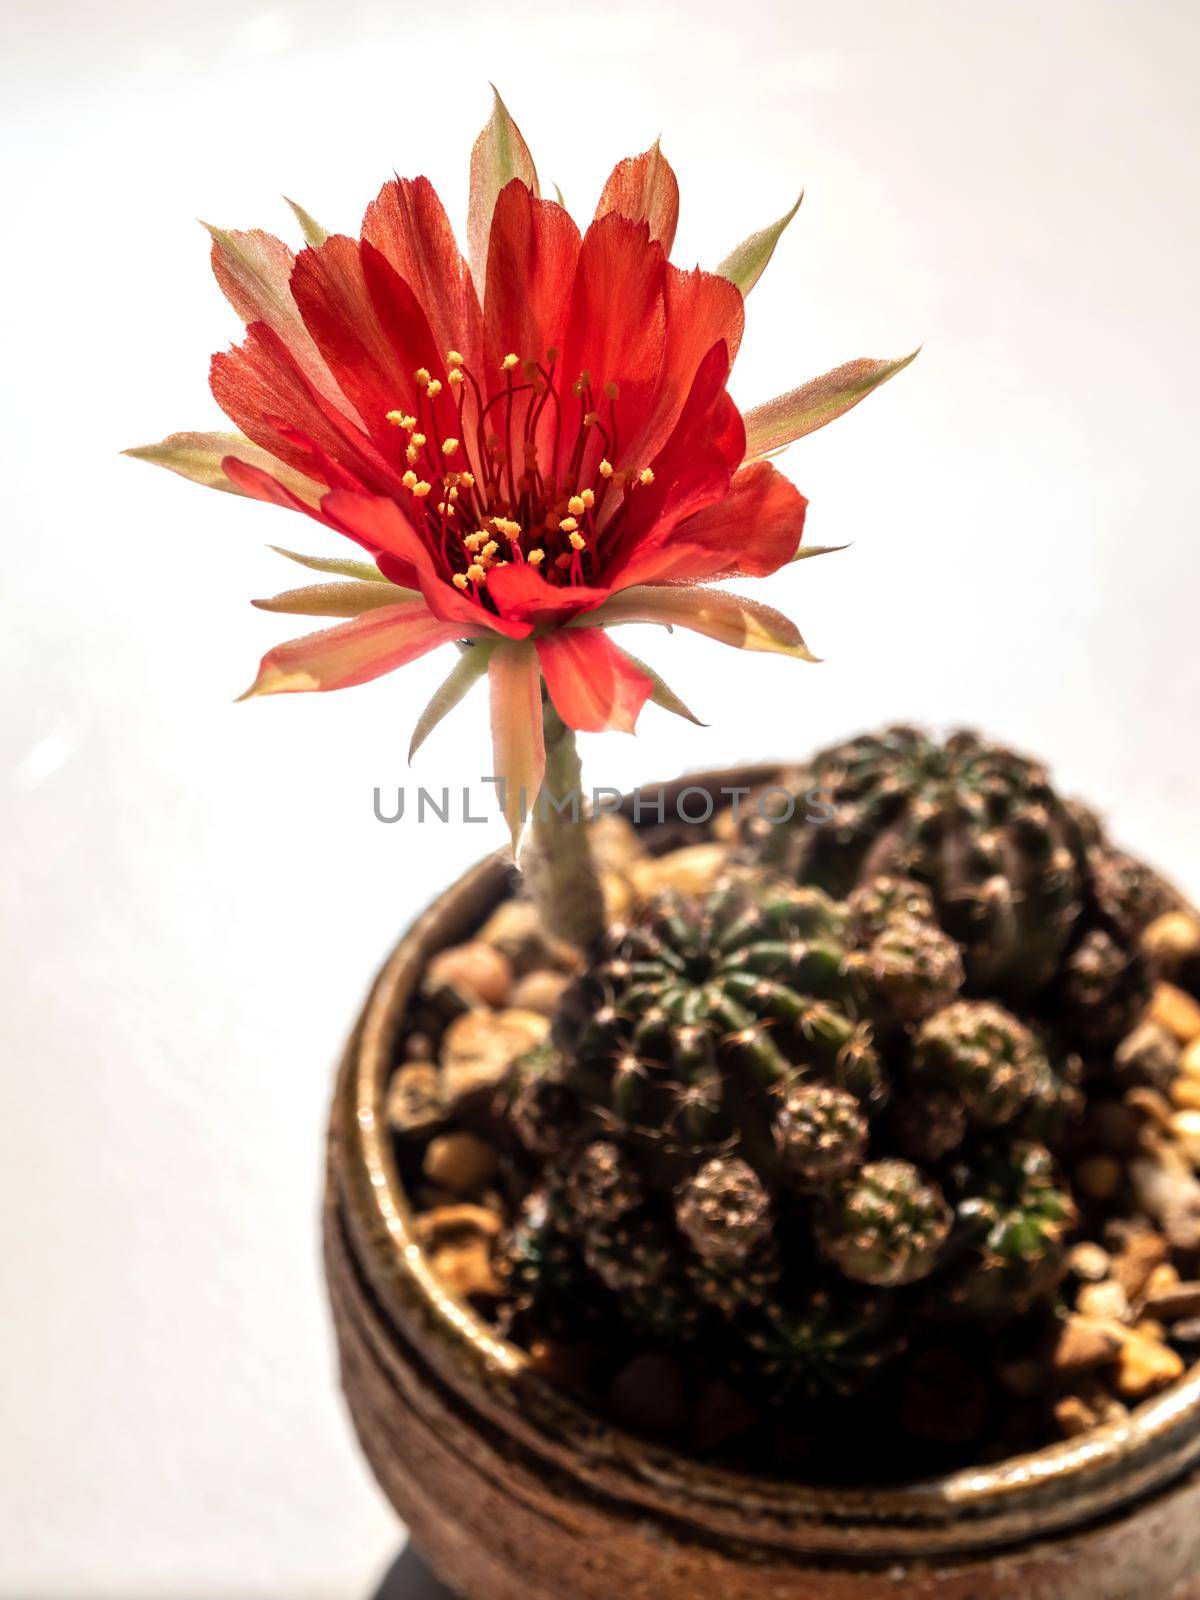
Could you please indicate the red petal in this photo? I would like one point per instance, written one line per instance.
(354, 652)
(532, 257)
(408, 225)
(753, 530)
(379, 524)
(593, 685)
(644, 189)
(520, 592)
(702, 309)
(254, 271)
(259, 385)
(616, 332)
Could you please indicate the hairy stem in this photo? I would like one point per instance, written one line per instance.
(557, 860)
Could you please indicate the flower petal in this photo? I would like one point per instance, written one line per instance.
(593, 685)
(644, 189)
(753, 530)
(746, 265)
(532, 257)
(362, 570)
(337, 599)
(729, 618)
(519, 591)
(352, 653)
(407, 224)
(312, 230)
(260, 387)
(471, 665)
(254, 271)
(198, 456)
(518, 744)
(801, 411)
(500, 154)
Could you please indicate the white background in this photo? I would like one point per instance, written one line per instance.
(195, 893)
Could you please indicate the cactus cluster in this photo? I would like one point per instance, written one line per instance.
(807, 1119)
(771, 1120)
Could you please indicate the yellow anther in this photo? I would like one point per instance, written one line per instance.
(449, 446)
(411, 453)
(645, 475)
(418, 439)
(433, 388)
(409, 480)
(397, 419)
(509, 362)
(422, 375)
(590, 419)
(611, 391)
(476, 573)
(459, 580)
(568, 524)
(453, 358)
(606, 469)
(589, 499)
(421, 489)
(489, 549)
(454, 494)
(454, 376)
(576, 505)
(536, 557)
(577, 541)
(467, 480)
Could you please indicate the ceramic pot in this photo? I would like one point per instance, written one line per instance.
(512, 1491)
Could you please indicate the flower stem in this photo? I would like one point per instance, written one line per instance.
(557, 861)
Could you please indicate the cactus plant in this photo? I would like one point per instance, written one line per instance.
(980, 826)
(759, 1115)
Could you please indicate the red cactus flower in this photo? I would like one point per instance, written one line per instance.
(531, 449)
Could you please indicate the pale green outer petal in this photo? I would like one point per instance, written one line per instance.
(337, 599)
(198, 456)
(518, 747)
(500, 155)
(314, 233)
(746, 265)
(466, 672)
(779, 422)
(729, 618)
(365, 571)
(662, 694)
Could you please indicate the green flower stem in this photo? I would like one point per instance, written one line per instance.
(557, 860)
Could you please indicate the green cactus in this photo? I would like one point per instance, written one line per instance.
(980, 826)
(1013, 1215)
(886, 1226)
(820, 1133)
(835, 1342)
(547, 1285)
(984, 1056)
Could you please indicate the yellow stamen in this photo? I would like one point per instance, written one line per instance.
(421, 489)
(606, 469)
(434, 388)
(409, 480)
(589, 499)
(453, 358)
(454, 376)
(509, 362)
(536, 557)
(489, 549)
(467, 479)
(568, 524)
(476, 573)
(411, 453)
(449, 446)
(397, 419)
(418, 439)
(422, 375)
(576, 505)
(645, 476)
(577, 541)
(454, 494)
(459, 580)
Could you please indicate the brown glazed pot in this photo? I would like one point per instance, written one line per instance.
(512, 1491)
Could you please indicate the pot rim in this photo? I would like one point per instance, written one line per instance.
(1060, 1485)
